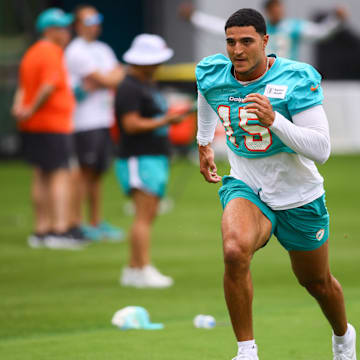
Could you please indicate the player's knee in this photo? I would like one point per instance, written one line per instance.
(237, 250)
(318, 287)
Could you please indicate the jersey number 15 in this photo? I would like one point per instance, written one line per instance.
(259, 137)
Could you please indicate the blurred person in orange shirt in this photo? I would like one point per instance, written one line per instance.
(43, 107)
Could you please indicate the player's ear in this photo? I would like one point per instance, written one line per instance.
(265, 40)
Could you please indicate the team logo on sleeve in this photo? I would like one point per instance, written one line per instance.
(314, 88)
(275, 91)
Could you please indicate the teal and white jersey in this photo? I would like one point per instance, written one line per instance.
(291, 87)
(285, 37)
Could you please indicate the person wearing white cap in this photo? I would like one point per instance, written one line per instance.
(95, 73)
(142, 163)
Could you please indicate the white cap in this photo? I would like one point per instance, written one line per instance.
(147, 49)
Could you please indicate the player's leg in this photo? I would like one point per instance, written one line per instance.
(33, 152)
(304, 232)
(77, 196)
(105, 150)
(86, 151)
(86, 146)
(146, 206)
(76, 191)
(144, 178)
(247, 225)
(95, 151)
(92, 183)
(152, 176)
(312, 271)
(245, 229)
(59, 197)
(57, 167)
(140, 272)
(40, 198)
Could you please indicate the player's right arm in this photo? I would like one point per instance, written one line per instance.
(128, 108)
(207, 120)
(21, 112)
(320, 31)
(108, 80)
(17, 102)
(82, 66)
(134, 123)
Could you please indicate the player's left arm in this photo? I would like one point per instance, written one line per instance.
(17, 102)
(207, 120)
(209, 23)
(109, 79)
(319, 31)
(307, 135)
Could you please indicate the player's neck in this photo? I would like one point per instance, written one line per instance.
(53, 41)
(88, 39)
(138, 74)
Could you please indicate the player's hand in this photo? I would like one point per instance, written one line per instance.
(21, 113)
(173, 118)
(90, 85)
(207, 164)
(186, 10)
(261, 107)
(118, 73)
(341, 13)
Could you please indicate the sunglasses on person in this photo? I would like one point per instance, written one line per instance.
(95, 19)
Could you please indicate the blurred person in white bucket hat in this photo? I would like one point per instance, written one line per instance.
(148, 49)
(142, 164)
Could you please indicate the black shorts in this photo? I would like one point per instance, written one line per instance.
(94, 149)
(47, 151)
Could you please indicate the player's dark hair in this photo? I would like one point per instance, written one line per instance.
(247, 17)
(269, 3)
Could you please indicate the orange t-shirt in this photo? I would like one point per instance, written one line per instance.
(43, 64)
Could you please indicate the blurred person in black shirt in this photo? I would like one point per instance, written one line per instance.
(142, 164)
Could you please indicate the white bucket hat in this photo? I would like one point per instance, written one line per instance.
(147, 49)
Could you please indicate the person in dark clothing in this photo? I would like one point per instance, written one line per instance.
(142, 163)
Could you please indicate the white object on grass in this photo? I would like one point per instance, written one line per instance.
(204, 321)
(134, 317)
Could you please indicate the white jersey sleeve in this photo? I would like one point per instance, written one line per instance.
(207, 121)
(209, 23)
(308, 135)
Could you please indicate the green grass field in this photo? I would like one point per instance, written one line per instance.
(58, 304)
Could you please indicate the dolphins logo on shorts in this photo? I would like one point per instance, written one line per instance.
(320, 234)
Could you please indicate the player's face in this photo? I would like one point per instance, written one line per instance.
(246, 50)
(148, 70)
(89, 25)
(59, 35)
(276, 13)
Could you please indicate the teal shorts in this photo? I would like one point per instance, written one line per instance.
(149, 173)
(304, 228)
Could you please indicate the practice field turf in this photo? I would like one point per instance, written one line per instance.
(58, 304)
